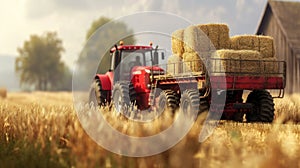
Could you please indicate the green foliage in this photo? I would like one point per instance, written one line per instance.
(98, 39)
(39, 63)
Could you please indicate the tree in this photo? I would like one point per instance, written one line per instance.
(98, 42)
(39, 63)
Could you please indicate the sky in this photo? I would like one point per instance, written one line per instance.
(72, 18)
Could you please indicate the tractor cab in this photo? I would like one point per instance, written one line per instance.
(126, 59)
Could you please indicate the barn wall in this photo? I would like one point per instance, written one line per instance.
(283, 52)
(296, 84)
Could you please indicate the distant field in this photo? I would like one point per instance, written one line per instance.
(41, 129)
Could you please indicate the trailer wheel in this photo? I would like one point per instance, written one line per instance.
(121, 97)
(190, 103)
(263, 110)
(97, 95)
(167, 99)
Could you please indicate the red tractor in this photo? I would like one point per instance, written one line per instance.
(129, 79)
(137, 78)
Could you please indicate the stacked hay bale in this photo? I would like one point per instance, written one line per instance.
(266, 46)
(248, 54)
(195, 40)
(244, 42)
(174, 65)
(270, 66)
(3, 92)
(218, 35)
(177, 42)
(263, 44)
(193, 46)
(192, 62)
(228, 61)
(196, 47)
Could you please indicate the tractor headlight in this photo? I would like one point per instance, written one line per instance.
(158, 72)
(147, 70)
(137, 72)
(155, 72)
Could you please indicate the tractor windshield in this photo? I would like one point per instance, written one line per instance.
(131, 58)
(136, 58)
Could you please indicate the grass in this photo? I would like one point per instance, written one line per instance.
(42, 130)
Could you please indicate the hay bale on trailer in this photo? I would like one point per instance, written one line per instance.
(218, 35)
(238, 61)
(3, 93)
(262, 44)
(244, 42)
(174, 65)
(270, 66)
(266, 46)
(203, 28)
(177, 42)
(192, 62)
(195, 40)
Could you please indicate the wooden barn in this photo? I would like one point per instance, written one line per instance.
(281, 20)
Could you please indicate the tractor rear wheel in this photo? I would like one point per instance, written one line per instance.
(263, 110)
(190, 103)
(121, 97)
(167, 99)
(97, 95)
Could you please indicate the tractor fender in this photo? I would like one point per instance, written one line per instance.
(105, 80)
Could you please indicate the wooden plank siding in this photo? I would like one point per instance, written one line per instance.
(270, 25)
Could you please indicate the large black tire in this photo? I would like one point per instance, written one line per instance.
(263, 110)
(97, 96)
(190, 103)
(167, 99)
(121, 97)
(132, 93)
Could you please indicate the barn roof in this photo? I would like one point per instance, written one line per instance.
(287, 14)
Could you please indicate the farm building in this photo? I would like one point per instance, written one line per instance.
(281, 20)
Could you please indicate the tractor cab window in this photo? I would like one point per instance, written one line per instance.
(130, 59)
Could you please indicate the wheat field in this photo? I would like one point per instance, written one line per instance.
(41, 129)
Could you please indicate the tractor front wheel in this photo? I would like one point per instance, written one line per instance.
(263, 107)
(121, 97)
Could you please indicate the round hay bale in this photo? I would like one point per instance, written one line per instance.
(192, 63)
(177, 42)
(174, 65)
(266, 46)
(244, 42)
(3, 92)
